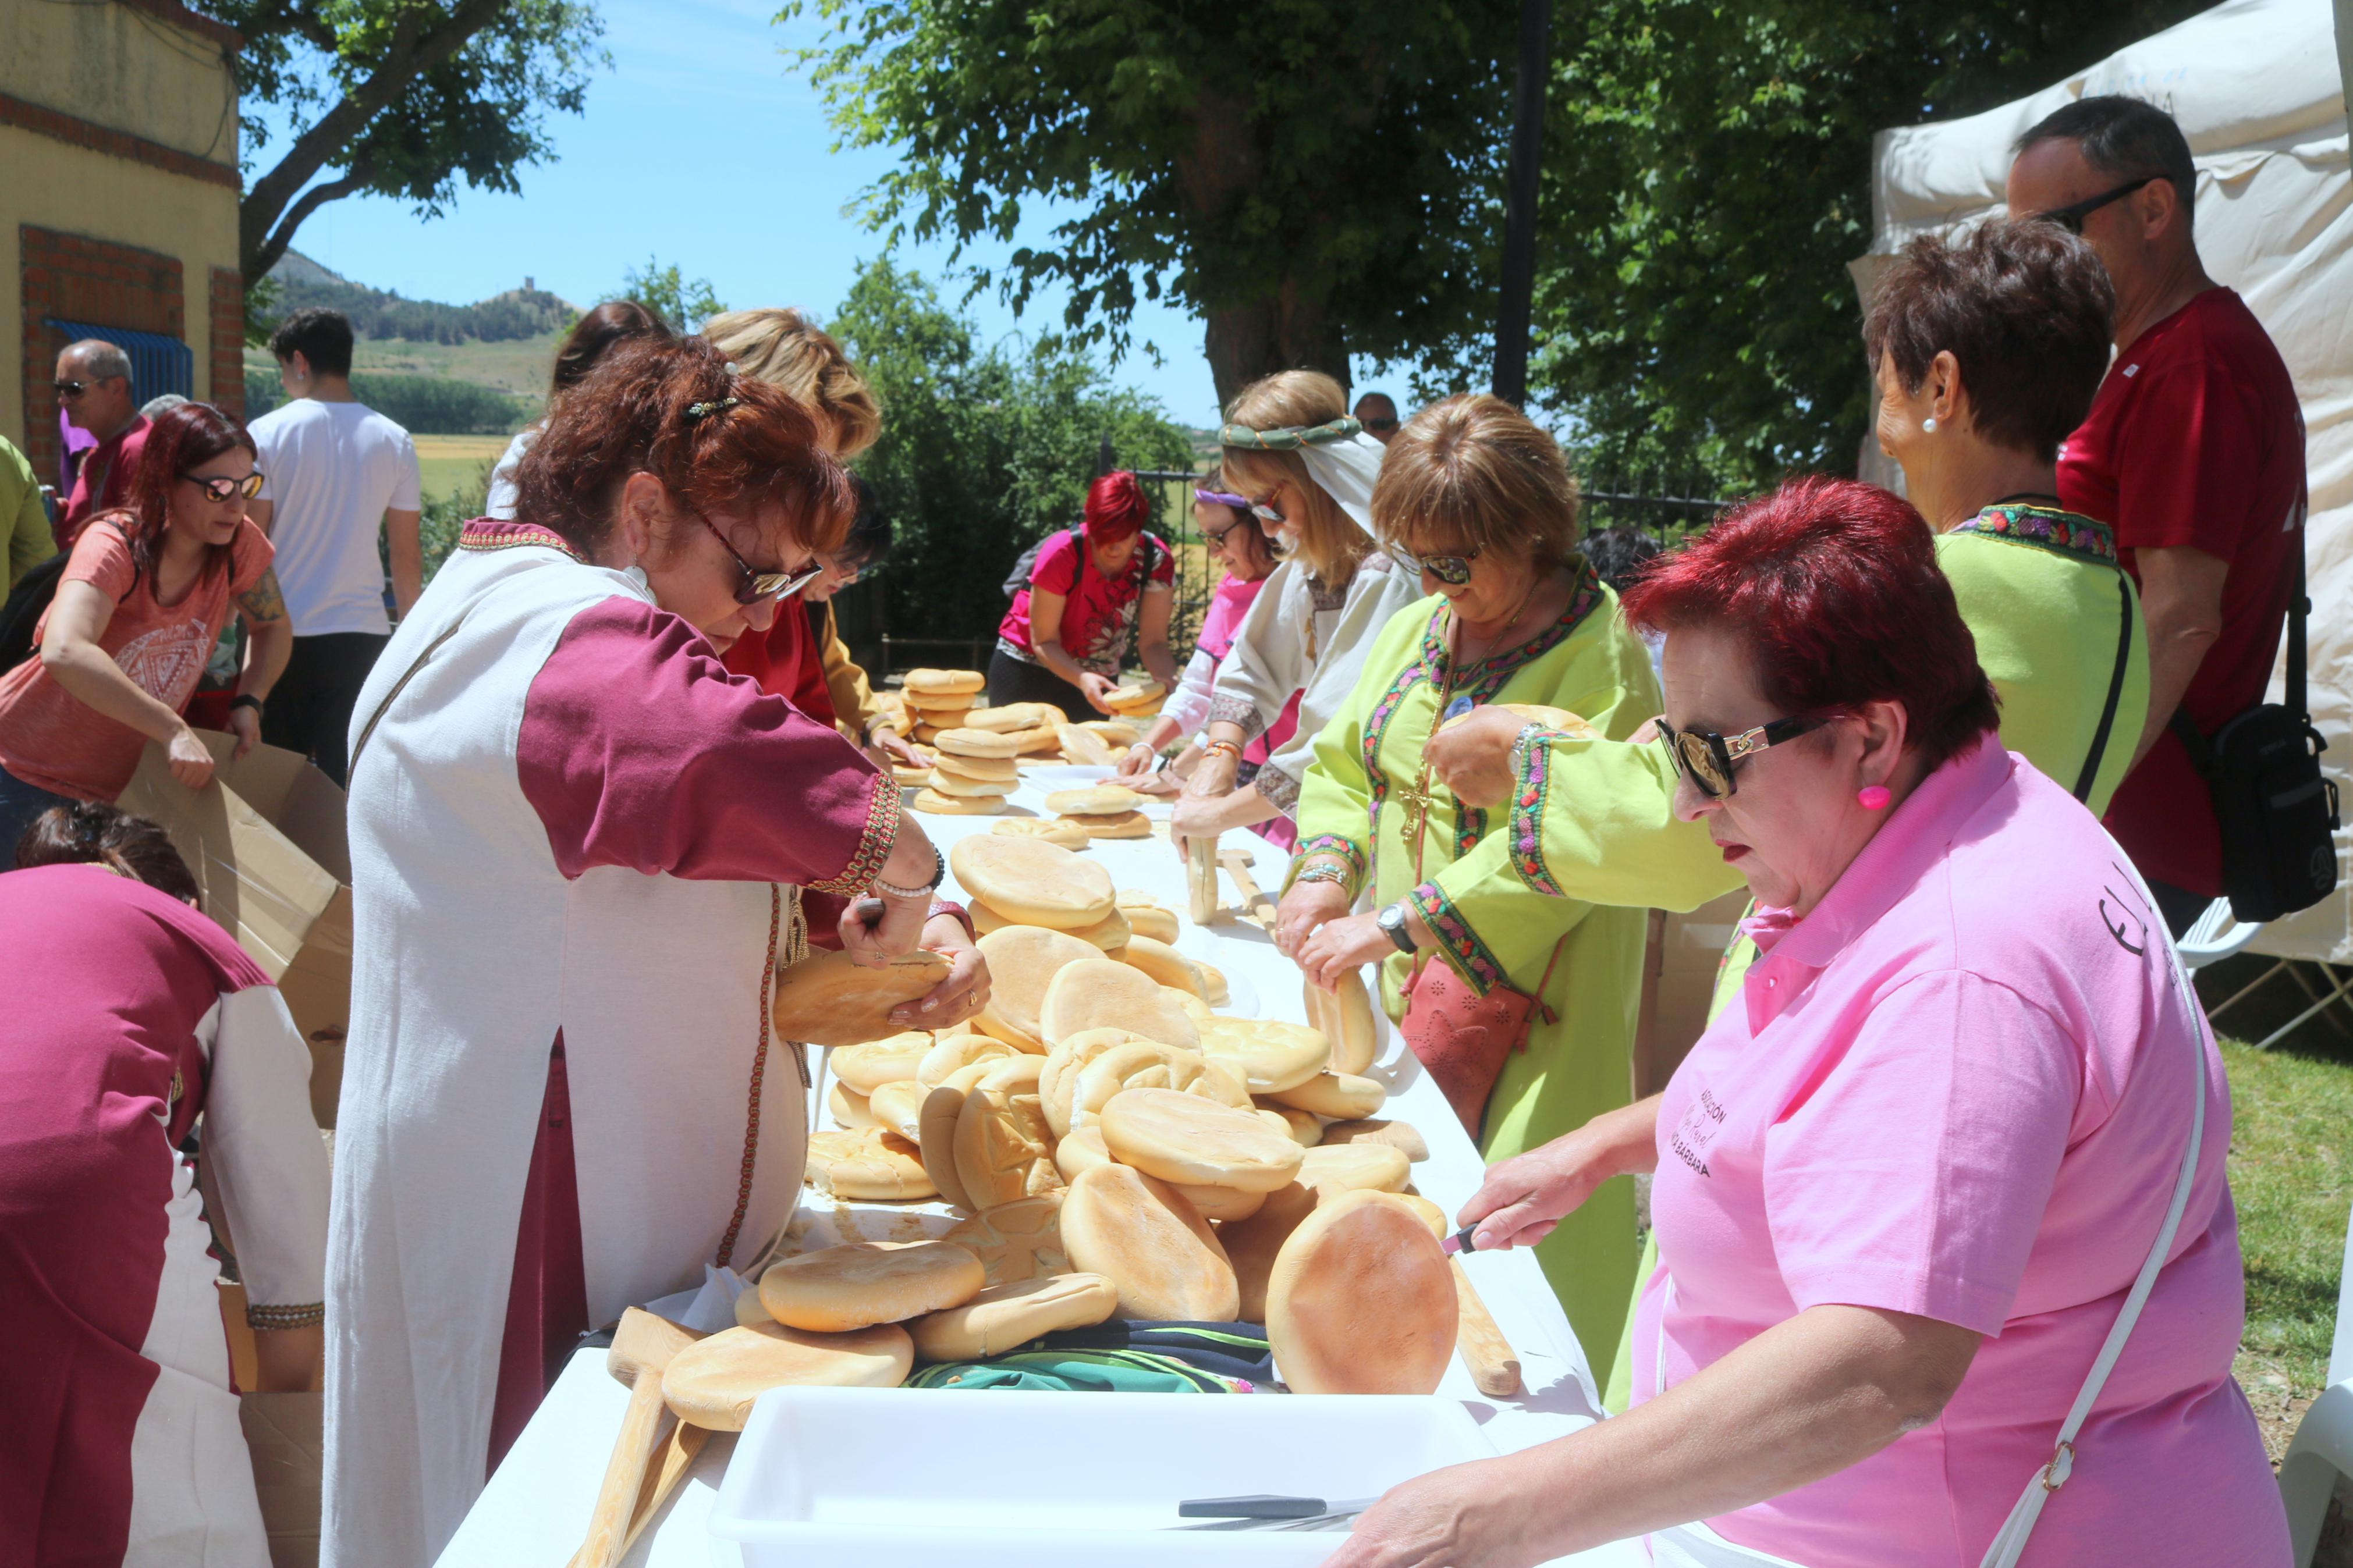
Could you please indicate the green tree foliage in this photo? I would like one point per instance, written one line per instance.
(400, 98)
(684, 303)
(420, 405)
(1707, 180)
(1316, 181)
(382, 313)
(985, 449)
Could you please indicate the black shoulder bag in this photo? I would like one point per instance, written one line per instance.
(2277, 814)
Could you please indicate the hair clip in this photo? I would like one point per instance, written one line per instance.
(732, 369)
(697, 411)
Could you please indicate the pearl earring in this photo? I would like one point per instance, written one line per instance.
(1928, 425)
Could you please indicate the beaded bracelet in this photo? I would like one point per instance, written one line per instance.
(1211, 748)
(1322, 871)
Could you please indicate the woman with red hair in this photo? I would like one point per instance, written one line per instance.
(1098, 594)
(1947, 1254)
(137, 611)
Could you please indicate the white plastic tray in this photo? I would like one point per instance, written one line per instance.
(911, 1478)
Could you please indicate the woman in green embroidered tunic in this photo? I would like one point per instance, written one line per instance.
(1482, 499)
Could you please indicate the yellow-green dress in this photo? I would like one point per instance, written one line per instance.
(1493, 926)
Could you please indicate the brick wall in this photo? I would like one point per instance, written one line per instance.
(83, 280)
(228, 341)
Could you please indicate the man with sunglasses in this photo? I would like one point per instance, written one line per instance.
(1377, 413)
(93, 387)
(2193, 452)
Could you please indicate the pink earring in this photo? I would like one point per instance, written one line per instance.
(1872, 797)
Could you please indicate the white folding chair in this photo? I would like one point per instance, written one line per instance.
(2323, 1445)
(2217, 934)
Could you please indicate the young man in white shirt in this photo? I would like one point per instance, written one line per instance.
(335, 473)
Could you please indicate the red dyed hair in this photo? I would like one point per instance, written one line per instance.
(1116, 508)
(184, 436)
(1835, 585)
(752, 446)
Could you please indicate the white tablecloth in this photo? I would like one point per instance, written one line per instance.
(535, 1508)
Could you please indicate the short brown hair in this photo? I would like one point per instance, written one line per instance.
(1330, 543)
(1474, 473)
(2024, 307)
(88, 832)
(752, 446)
(596, 331)
(786, 349)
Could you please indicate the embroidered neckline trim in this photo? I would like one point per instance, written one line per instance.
(502, 533)
(2062, 533)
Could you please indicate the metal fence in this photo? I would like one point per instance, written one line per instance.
(1669, 508)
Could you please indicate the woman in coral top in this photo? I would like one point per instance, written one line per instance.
(1964, 1127)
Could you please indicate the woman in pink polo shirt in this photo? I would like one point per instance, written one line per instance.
(1968, 1118)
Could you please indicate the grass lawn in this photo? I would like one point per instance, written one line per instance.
(452, 463)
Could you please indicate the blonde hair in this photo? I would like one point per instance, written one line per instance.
(792, 353)
(1474, 473)
(1330, 543)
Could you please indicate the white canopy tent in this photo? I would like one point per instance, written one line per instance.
(2257, 88)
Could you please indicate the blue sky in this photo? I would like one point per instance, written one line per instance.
(699, 146)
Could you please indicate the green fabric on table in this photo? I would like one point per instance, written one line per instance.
(1080, 1371)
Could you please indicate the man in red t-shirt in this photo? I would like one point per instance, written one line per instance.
(2193, 451)
(93, 387)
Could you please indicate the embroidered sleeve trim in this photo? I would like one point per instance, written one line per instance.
(301, 1317)
(1279, 787)
(1347, 849)
(1227, 709)
(882, 818)
(1524, 826)
(1457, 942)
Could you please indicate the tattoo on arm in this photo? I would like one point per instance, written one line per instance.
(262, 601)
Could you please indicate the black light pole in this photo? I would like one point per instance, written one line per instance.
(1520, 219)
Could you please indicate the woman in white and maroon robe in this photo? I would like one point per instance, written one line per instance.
(579, 848)
(129, 1014)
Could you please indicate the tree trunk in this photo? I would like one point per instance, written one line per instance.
(1290, 328)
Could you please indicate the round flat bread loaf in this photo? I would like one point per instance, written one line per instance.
(1195, 1142)
(1215, 979)
(1002, 769)
(867, 1067)
(952, 1051)
(942, 1110)
(1039, 738)
(849, 1108)
(1032, 881)
(924, 731)
(1104, 994)
(1194, 1008)
(1134, 694)
(1058, 1082)
(1084, 747)
(946, 783)
(966, 743)
(881, 1167)
(1164, 963)
(1013, 716)
(1272, 1055)
(907, 777)
(1014, 1075)
(938, 805)
(1342, 1096)
(711, 1383)
(1081, 1151)
(1158, 1253)
(1432, 1215)
(1147, 915)
(923, 680)
(1305, 1129)
(838, 1288)
(1368, 1167)
(826, 1000)
(930, 723)
(1400, 1135)
(1019, 1240)
(1108, 934)
(938, 701)
(1224, 1206)
(1342, 1015)
(1022, 963)
(1126, 825)
(1003, 1150)
(1361, 1300)
(1007, 1316)
(1252, 1245)
(1062, 832)
(899, 1106)
(1094, 800)
(1147, 1064)
(1118, 731)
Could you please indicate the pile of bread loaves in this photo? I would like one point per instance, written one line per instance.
(1118, 1148)
(972, 753)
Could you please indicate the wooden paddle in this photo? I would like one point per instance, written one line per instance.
(1494, 1366)
(1237, 863)
(642, 1346)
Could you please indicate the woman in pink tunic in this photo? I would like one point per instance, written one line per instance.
(131, 1015)
(1967, 1128)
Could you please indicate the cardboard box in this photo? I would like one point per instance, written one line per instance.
(286, 1435)
(266, 841)
(1678, 981)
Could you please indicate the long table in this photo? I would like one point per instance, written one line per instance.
(536, 1507)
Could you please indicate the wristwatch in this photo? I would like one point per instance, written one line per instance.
(1392, 921)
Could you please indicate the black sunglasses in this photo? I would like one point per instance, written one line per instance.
(759, 585)
(69, 388)
(1706, 757)
(221, 486)
(1378, 424)
(2071, 216)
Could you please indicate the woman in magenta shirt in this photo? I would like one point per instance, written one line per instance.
(1098, 595)
(1905, 1185)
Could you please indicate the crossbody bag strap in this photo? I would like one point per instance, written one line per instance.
(2115, 690)
(2009, 1544)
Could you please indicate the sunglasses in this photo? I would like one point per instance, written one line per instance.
(2071, 216)
(1706, 757)
(1453, 570)
(758, 585)
(1217, 537)
(70, 389)
(1378, 425)
(221, 488)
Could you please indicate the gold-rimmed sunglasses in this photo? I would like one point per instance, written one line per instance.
(1706, 757)
(758, 585)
